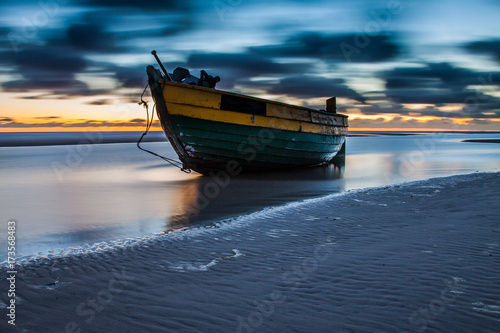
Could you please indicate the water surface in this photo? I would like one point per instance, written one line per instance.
(65, 196)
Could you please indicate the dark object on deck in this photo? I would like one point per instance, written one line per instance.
(180, 74)
(331, 105)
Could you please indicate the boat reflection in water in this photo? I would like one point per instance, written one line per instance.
(205, 200)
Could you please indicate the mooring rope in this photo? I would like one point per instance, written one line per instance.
(149, 122)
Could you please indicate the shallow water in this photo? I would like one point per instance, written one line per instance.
(77, 195)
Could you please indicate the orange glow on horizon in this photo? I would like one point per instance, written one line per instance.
(403, 129)
(79, 129)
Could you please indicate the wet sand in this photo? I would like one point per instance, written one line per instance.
(416, 257)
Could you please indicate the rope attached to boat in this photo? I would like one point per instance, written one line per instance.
(149, 122)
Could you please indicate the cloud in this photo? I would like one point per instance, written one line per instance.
(131, 77)
(140, 4)
(51, 63)
(48, 69)
(91, 36)
(470, 111)
(246, 64)
(93, 32)
(337, 47)
(239, 68)
(137, 121)
(37, 61)
(57, 86)
(431, 96)
(415, 123)
(47, 117)
(102, 101)
(307, 86)
(430, 76)
(439, 83)
(8, 122)
(488, 47)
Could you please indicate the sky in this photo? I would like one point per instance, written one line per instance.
(71, 65)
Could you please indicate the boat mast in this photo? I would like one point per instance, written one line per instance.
(167, 76)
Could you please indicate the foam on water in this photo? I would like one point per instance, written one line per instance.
(197, 267)
(488, 309)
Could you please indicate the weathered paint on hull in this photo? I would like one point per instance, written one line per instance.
(210, 146)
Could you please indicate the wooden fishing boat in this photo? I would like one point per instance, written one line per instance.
(213, 130)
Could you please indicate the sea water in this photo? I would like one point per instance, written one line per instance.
(72, 197)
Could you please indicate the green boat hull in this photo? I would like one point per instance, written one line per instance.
(210, 146)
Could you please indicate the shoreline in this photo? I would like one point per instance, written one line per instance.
(404, 246)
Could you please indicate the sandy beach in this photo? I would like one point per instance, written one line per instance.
(416, 257)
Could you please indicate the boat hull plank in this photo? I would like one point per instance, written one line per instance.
(192, 129)
(231, 117)
(252, 146)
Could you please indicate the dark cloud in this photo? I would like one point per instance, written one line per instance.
(6, 119)
(88, 34)
(245, 64)
(306, 86)
(131, 77)
(44, 68)
(238, 68)
(137, 121)
(65, 86)
(416, 82)
(486, 47)
(102, 101)
(169, 28)
(52, 62)
(438, 124)
(341, 47)
(140, 4)
(47, 117)
(438, 83)
(37, 61)
(5, 42)
(469, 111)
(91, 36)
(432, 75)
(430, 96)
